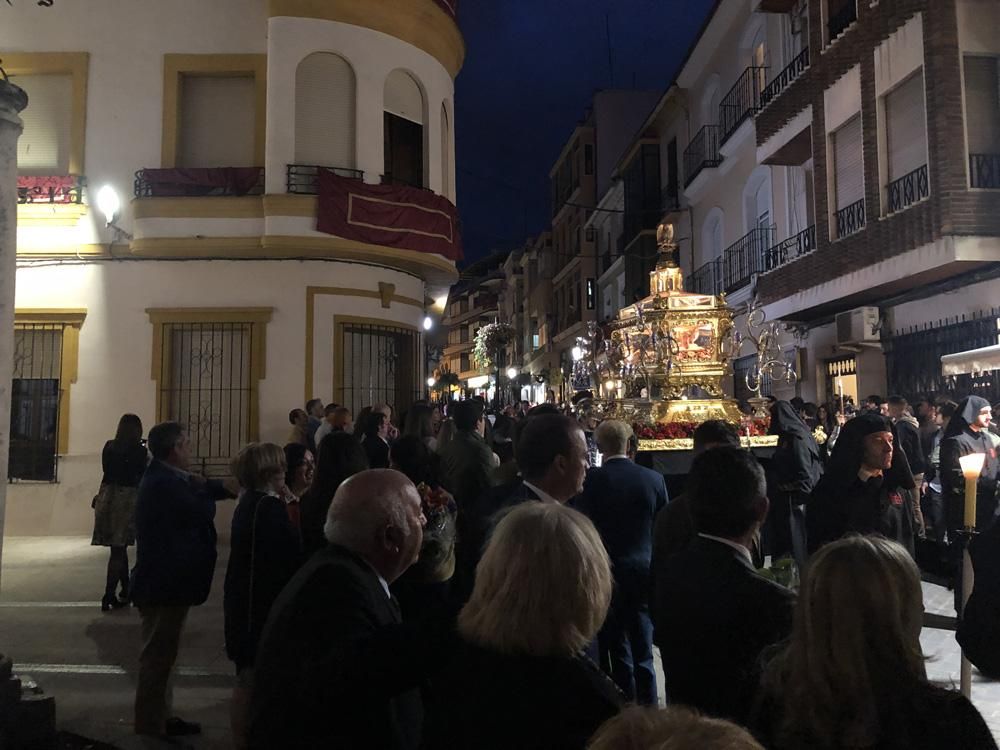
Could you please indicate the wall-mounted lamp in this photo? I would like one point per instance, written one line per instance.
(109, 204)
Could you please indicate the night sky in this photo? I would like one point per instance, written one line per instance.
(531, 67)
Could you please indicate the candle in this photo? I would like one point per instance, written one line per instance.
(840, 392)
(972, 466)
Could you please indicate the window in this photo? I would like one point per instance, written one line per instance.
(591, 294)
(906, 143)
(849, 178)
(377, 364)
(588, 159)
(465, 363)
(982, 120)
(207, 364)
(445, 153)
(403, 130)
(534, 334)
(840, 14)
(44, 146)
(325, 111)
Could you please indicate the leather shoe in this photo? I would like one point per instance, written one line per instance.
(177, 727)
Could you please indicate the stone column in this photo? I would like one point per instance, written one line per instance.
(12, 101)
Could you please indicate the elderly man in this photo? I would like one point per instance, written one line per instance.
(337, 419)
(335, 667)
(622, 499)
(174, 566)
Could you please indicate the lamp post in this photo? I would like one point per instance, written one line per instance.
(972, 466)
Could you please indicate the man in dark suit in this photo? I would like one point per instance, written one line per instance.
(335, 666)
(375, 439)
(622, 500)
(174, 566)
(713, 614)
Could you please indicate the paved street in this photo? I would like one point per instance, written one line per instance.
(51, 624)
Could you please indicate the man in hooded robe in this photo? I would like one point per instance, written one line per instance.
(866, 488)
(792, 473)
(967, 432)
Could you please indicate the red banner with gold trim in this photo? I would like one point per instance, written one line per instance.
(391, 215)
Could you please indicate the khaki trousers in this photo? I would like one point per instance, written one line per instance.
(161, 637)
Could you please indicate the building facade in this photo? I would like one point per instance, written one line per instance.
(212, 297)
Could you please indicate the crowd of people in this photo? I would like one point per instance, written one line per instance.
(455, 578)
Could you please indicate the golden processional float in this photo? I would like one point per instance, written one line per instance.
(662, 363)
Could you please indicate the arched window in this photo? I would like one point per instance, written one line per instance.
(445, 152)
(404, 129)
(713, 235)
(325, 119)
(757, 211)
(710, 99)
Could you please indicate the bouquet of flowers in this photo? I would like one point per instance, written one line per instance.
(437, 554)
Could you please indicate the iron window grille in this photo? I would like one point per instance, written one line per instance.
(790, 249)
(745, 257)
(707, 279)
(908, 189)
(380, 364)
(851, 219)
(984, 171)
(702, 152)
(35, 402)
(742, 101)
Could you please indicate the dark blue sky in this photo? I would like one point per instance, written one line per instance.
(531, 67)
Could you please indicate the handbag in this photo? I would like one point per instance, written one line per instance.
(101, 493)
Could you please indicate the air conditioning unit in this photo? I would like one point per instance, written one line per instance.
(858, 326)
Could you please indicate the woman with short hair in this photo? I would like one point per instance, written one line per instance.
(124, 461)
(264, 554)
(677, 728)
(852, 675)
(518, 677)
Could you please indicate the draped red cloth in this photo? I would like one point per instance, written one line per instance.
(390, 215)
(181, 182)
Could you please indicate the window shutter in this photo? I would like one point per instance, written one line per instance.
(325, 118)
(849, 163)
(403, 97)
(906, 128)
(43, 148)
(982, 104)
(218, 117)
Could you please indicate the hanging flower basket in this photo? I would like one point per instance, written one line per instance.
(489, 340)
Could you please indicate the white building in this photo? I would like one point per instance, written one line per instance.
(215, 300)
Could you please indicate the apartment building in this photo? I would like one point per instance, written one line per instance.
(538, 358)
(893, 110)
(178, 246)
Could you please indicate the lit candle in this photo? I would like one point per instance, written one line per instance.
(972, 467)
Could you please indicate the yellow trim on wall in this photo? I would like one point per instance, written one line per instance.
(422, 23)
(339, 321)
(284, 204)
(175, 67)
(314, 291)
(69, 357)
(160, 317)
(50, 214)
(219, 207)
(73, 251)
(76, 64)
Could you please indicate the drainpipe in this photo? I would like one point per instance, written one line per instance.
(12, 101)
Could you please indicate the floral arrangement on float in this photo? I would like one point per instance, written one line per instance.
(490, 339)
(680, 435)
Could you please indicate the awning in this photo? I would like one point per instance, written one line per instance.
(972, 361)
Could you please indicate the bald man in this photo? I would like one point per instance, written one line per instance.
(335, 667)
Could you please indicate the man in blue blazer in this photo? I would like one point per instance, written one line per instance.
(174, 564)
(622, 499)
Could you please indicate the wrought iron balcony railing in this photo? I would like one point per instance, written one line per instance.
(742, 101)
(791, 249)
(185, 182)
(784, 79)
(843, 18)
(702, 152)
(984, 171)
(745, 258)
(52, 190)
(706, 279)
(302, 178)
(851, 219)
(908, 189)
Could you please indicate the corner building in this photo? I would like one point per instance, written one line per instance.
(214, 299)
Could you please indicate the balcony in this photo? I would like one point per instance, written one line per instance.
(702, 152)
(56, 190)
(741, 102)
(784, 79)
(745, 258)
(199, 182)
(302, 178)
(791, 249)
(707, 279)
(908, 189)
(850, 219)
(841, 19)
(984, 171)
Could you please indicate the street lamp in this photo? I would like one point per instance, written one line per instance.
(428, 323)
(511, 372)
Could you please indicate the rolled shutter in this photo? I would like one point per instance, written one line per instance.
(325, 119)
(849, 163)
(982, 104)
(218, 118)
(403, 97)
(43, 148)
(906, 127)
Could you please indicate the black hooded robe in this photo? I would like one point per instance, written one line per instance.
(961, 440)
(843, 504)
(793, 472)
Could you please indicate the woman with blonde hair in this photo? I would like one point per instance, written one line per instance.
(646, 728)
(264, 554)
(518, 677)
(852, 675)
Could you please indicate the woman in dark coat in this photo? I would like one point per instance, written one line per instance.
(793, 472)
(340, 456)
(124, 460)
(866, 488)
